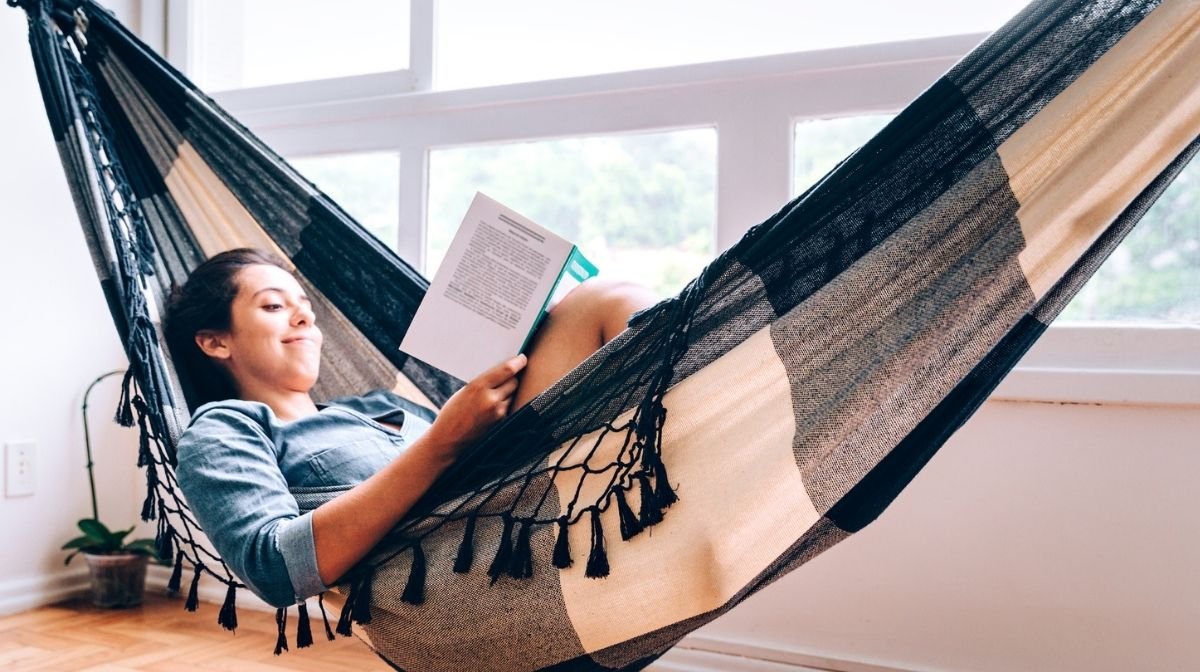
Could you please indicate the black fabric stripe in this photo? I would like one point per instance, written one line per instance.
(1039, 53)
(910, 163)
(871, 495)
(154, 73)
(52, 77)
(585, 663)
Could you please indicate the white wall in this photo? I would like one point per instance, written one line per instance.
(1043, 536)
(57, 336)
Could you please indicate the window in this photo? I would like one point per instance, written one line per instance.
(821, 143)
(481, 43)
(591, 157)
(246, 43)
(367, 186)
(641, 207)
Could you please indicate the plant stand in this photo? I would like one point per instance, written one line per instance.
(118, 580)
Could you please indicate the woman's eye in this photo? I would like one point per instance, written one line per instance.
(271, 306)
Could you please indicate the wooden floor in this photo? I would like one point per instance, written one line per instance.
(160, 635)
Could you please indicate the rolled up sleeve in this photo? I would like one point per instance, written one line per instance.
(230, 476)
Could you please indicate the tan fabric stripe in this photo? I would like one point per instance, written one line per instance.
(1077, 164)
(728, 446)
(215, 216)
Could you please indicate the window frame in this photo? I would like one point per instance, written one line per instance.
(753, 103)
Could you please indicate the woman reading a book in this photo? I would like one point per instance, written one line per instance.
(243, 328)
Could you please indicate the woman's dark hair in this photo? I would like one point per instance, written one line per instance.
(204, 303)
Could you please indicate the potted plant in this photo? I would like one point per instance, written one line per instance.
(117, 567)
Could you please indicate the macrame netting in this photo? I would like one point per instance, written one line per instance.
(777, 405)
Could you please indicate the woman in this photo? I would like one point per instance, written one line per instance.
(244, 332)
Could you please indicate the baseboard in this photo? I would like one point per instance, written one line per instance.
(29, 593)
(699, 653)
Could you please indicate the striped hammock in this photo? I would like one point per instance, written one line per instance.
(774, 407)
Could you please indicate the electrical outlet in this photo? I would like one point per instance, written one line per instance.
(19, 468)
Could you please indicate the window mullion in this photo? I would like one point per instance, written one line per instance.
(422, 43)
(754, 159)
(414, 180)
(180, 21)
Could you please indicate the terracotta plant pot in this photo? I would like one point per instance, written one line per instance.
(118, 580)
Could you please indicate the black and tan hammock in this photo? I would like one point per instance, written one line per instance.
(777, 405)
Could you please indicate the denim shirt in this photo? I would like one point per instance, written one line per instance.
(237, 462)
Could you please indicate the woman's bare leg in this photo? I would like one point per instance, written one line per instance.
(589, 316)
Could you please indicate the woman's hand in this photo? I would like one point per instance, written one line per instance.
(346, 528)
(481, 403)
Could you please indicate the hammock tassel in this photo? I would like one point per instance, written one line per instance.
(281, 623)
(466, 550)
(164, 542)
(597, 564)
(124, 416)
(562, 546)
(521, 565)
(664, 494)
(343, 623)
(304, 636)
(414, 590)
(504, 552)
(324, 617)
(144, 456)
(630, 527)
(651, 512)
(176, 576)
(227, 617)
(361, 611)
(357, 607)
(193, 598)
(151, 483)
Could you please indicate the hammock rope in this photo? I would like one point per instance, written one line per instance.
(810, 371)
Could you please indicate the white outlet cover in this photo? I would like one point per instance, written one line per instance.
(20, 468)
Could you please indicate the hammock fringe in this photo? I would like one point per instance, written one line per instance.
(597, 563)
(521, 565)
(466, 549)
(304, 636)
(325, 617)
(227, 617)
(193, 597)
(281, 644)
(562, 545)
(503, 551)
(414, 589)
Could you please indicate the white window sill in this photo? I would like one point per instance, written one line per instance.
(1109, 364)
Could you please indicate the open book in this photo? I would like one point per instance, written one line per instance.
(498, 278)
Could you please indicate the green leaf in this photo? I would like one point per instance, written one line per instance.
(95, 529)
(68, 558)
(141, 546)
(77, 542)
(119, 536)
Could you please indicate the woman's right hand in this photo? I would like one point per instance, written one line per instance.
(478, 405)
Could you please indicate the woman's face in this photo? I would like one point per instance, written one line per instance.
(273, 342)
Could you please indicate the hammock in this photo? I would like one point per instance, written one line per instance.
(791, 390)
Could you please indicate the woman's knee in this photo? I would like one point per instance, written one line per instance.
(606, 302)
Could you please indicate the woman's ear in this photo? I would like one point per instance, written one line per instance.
(213, 343)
